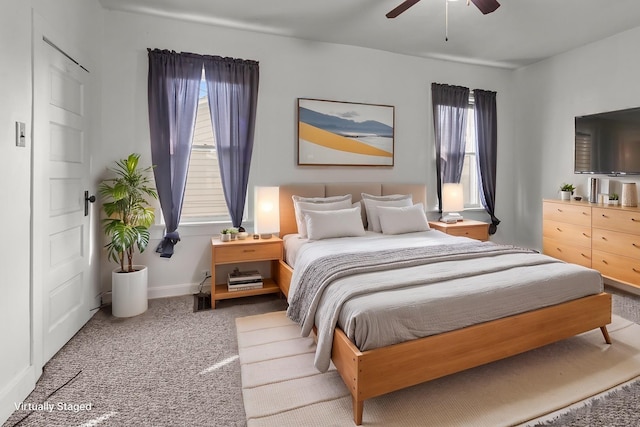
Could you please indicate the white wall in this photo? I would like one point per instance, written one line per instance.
(602, 76)
(15, 86)
(81, 22)
(290, 68)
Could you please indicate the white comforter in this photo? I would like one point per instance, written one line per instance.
(430, 298)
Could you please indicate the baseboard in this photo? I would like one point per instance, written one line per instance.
(176, 290)
(15, 392)
(622, 286)
(167, 291)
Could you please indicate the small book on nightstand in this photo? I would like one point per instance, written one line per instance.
(243, 280)
(451, 218)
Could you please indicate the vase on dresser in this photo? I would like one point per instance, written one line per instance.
(629, 194)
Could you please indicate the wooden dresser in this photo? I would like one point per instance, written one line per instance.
(603, 237)
(566, 231)
(616, 243)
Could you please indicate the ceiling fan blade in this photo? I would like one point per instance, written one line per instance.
(401, 8)
(486, 6)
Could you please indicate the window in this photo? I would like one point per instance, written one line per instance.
(470, 177)
(203, 197)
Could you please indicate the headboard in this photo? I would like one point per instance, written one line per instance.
(287, 213)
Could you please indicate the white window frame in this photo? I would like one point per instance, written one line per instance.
(205, 144)
(470, 174)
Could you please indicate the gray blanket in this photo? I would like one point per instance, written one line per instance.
(316, 276)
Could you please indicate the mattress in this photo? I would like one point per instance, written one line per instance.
(487, 288)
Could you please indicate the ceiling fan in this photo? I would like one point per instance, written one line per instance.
(485, 6)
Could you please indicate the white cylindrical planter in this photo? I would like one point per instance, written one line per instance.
(129, 292)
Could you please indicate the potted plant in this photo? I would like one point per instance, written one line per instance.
(566, 190)
(614, 199)
(228, 234)
(127, 222)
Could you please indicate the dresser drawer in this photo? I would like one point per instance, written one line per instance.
(247, 252)
(616, 242)
(568, 253)
(626, 221)
(567, 233)
(617, 267)
(579, 214)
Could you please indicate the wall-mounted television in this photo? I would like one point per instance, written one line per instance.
(608, 143)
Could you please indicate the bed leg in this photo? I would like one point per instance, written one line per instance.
(358, 407)
(605, 333)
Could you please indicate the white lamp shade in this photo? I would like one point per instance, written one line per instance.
(267, 210)
(452, 197)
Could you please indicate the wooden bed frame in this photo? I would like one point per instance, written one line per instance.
(376, 372)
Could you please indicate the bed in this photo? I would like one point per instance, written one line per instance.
(370, 370)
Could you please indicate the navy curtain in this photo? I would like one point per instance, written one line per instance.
(173, 84)
(487, 139)
(450, 105)
(232, 86)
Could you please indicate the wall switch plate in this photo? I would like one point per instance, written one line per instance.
(21, 138)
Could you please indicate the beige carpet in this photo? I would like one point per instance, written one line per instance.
(281, 387)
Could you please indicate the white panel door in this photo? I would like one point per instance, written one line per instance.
(60, 153)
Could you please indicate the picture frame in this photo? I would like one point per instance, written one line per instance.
(337, 133)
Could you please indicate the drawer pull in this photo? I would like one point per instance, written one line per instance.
(584, 213)
(635, 245)
(584, 255)
(585, 234)
(248, 250)
(634, 220)
(559, 250)
(605, 262)
(559, 229)
(604, 216)
(604, 238)
(635, 270)
(559, 210)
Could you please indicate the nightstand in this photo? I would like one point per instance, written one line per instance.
(240, 251)
(468, 228)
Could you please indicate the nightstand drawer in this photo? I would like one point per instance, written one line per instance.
(468, 228)
(473, 232)
(247, 252)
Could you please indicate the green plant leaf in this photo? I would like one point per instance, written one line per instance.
(129, 214)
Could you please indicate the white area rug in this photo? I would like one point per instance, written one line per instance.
(281, 387)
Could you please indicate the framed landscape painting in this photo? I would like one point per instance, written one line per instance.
(345, 133)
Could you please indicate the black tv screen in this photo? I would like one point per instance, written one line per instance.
(608, 143)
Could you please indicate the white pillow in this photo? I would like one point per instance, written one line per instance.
(317, 204)
(407, 219)
(372, 203)
(336, 223)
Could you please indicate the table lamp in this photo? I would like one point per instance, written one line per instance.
(267, 211)
(452, 202)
